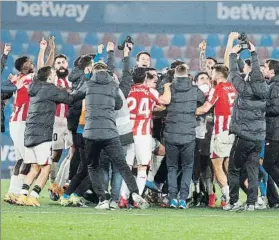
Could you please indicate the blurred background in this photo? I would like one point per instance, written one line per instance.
(168, 30)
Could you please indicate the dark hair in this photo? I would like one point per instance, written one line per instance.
(100, 66)
(84, 62)
(176, 63)
(221, 69)
(199, 74)
(181, 69)
(43, 73)
(139, 75)
(248, 62)
(140, 53)
(76, 61)
(211, 58)
(60, 56)
(274, 65)
(20, 61)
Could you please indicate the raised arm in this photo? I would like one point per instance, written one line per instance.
(41, 56)
(233, 36)
(202, 47)
(111, 57)
(50, 59)
(165, 99)
(4, 57)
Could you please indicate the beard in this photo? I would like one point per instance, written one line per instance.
(62, 74)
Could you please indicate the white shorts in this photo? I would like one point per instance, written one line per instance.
(155, 144)
(221, 145)
(40, 154)
(143, 149)
(17, 134)
(62, 137)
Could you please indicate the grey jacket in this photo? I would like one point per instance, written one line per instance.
(101, 101)
(272, 110)
(181, 112)
(248, 119)
(43, 99)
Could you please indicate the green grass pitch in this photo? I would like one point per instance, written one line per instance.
(51, 221)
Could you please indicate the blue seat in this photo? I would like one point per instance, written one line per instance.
(17, 49)
(6, 36)
(178, 40)
(33, 49)
(213, 40)
(68, 50)
(58, 37)
(210, 52)
(225, 41)
(21, 37)
(275, 53)
(162, 63)
(136, 49)
(266, 41)
(10, 62)
(157, 52)
(91, 39)
(245, 54)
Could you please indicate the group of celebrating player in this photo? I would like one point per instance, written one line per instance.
(118, 124)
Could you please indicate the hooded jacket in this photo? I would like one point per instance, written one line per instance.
(181, 112)
(101, 101)
(43, 99)
(272, 110)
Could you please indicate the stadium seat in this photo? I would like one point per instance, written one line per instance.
(210, 52)
(178, 40)
(213, 40)
(17, 49)
(58, 37)
(245, 54)
(33, 49)
(136, 49)
(10, 62)
(37, 37)
(161, 40)
(108, 37)
(191, 52)
(194, 64)
(174, 52)
(21, 37)
(275, 53)
(276, 42)
(157, 52)
(266, 41)
(162, 63)
(85, 49)
(68, 50)
(6, 36)
(73, 38)
(263, 53)
(143, 39)
(195, 40)
(91, 39)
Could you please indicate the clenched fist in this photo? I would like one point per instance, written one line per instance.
(233, 36)
(110, 46)
(7, 49)
(202, 46)
(43, 44)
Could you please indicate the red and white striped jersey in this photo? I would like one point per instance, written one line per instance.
(61, 109)
(21, 98)
(141, 101)
(222, 96)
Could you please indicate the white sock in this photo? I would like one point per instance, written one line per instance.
(226, 192)
(59, 174)
(20, 181)
(124, 191)
(24, 192)
(34, 194)
(155, 165)
(141, 180)
(197, 187)
(209, 186)
(64, 174)
(53, 171)
(13, 183)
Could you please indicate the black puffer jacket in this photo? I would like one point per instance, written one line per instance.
(272, 110)
(248, 120)
(43, 99)
(181, 112)
(101, 101)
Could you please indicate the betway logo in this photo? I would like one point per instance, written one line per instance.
(247, 11)
(52, 9)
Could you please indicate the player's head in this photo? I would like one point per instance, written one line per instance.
(209, 63)
(219, 73)
(181, 70)
(143, 59)
(100, 66)
(271, 68)
(202, 80)
(24, 65)
(151, 78)
(247, 66)
(45, 74)
(85, 63)
(139, 75)
(61, 65)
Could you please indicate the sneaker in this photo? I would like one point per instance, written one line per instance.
(140, 201)
(249, 208)
(223, 202)
(211, 201)
(135, 205)
(75, 200)
(173, 203)
(233, 207)
(260, 204)
(65, 201)
(21, 200)
(113, 205)
(182, 204)
(152, 186)
(10, 198)
(104, 205)
(32, 201)
(123, 203)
